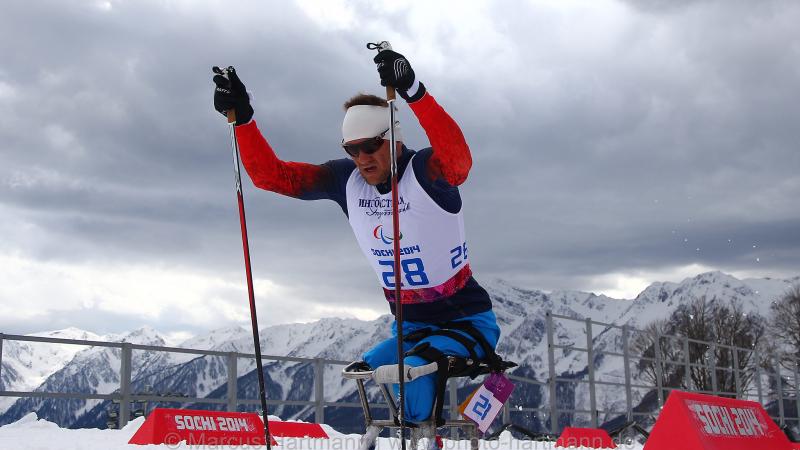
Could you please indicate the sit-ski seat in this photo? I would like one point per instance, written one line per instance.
(445, 367)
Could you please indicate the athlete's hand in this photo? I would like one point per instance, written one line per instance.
(395, 71)
(230, 94)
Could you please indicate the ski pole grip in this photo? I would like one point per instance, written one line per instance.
(381, 46)
(231, 113)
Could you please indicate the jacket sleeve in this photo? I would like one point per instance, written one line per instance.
(451, 157)
(295, 179)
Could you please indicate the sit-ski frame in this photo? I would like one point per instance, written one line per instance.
(426, 429)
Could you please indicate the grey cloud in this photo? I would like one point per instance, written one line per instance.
(665, 6)
(585, 161)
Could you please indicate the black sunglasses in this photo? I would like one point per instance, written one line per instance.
(368, 146)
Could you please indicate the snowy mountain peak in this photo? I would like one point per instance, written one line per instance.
(709, 284)
(68, 333)
(26, 365)
(504, 291)
(145, 335)
(218, 338)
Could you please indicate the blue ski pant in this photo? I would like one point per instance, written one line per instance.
(420, 393)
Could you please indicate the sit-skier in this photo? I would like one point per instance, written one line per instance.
(438, 289)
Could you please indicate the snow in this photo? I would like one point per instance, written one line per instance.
(31, 433)
(769, 290)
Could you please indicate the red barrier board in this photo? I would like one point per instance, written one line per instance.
(296, 430)
(705, 422)
(585, 437)
(196, 427)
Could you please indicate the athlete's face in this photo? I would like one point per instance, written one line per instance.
(375, 168)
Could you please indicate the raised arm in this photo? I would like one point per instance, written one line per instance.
(300, 180)
(451, 158)
(295, 179)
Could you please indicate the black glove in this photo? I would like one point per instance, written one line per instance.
(230, 94)
(395, 71)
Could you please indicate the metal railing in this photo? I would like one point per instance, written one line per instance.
(551, 382)
(775, 379)
(125, 397)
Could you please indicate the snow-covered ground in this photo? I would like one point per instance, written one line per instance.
(30, 433)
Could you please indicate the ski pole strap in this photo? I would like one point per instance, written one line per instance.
(381, 46)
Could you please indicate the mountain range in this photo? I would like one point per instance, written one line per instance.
(521, 314)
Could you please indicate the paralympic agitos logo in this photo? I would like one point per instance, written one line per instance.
(378, 233)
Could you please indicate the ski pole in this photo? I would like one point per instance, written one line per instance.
(231, 114)
(398, 269)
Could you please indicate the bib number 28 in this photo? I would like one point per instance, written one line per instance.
(413, 269)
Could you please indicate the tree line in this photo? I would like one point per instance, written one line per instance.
(714, 345)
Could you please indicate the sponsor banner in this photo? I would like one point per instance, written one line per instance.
(585, 437)
(705, 422)
(486, 402)
(197, 427)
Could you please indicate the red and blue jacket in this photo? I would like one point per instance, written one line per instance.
(440, 169)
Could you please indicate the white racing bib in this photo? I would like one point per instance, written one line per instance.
(433, 249)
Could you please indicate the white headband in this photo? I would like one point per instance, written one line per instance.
(366, 121)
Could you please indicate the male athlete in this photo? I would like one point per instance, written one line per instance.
(438, 290)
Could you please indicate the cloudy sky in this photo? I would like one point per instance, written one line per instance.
(615, 143)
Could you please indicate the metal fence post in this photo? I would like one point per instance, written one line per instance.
(758, 376)
(551, 363)
(2, 388)
(125, 384)
(736, 380)
(659, 368)
(233, 373)
(627, 362)
(452, 391)
(688, 375)
(319, 390)
(779, 388)
(590, 365)
(797, 389)
(712, 367)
